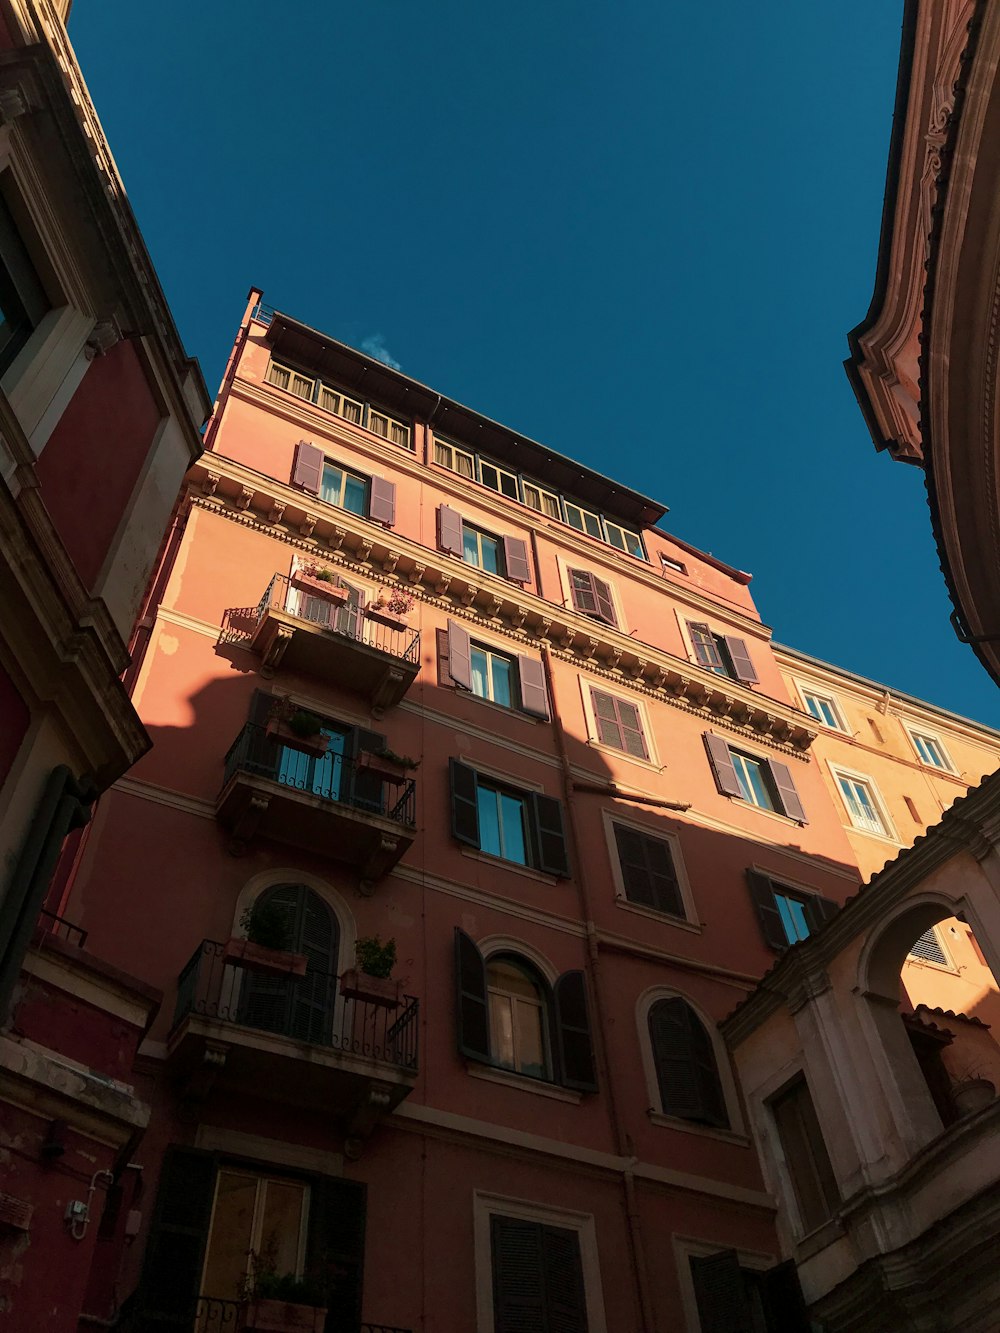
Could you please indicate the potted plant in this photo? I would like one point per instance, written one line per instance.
(264, 946)
(297, 728)
(972, 1092)
(390, 606)
(372, 980)
(386, 764)
(318, 581)
(281, 1302)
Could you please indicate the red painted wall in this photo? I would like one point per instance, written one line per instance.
(93, 459)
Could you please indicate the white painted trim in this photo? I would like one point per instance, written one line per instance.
(890, 834)
(912, 731)
(612, 817)
(805, 688)
(705, 1131)
(491, 945)
(484, 1206)
(730, 1096)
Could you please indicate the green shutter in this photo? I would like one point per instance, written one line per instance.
(686, 1070)
(175, 1252)
(783, 1298)
(762, 897)
(553, 854)
(537, 1278)
(464, 804)
(576, 1054)
(472, 1017)
(335, 1247)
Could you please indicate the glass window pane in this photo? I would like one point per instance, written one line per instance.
(500, 676)
(592, 525)
(489, 820)
(574, 517)
(464, 464)
(442, 454)
(354, 495)
(232, 1236)
(333, 484)
(532, 496)
(480, 674)
(490, 553)
(470, 547)
(793, 917)
(508, 484)
(512, 817)
(281, 1225)
(530, 1042)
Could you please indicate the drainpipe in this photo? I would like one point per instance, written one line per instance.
(623, 1143)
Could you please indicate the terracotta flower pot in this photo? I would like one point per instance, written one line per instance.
(309, 583)
(279, 730)
(358, 985)
(973, 1094)
(384, 617)
(382, 767)
(268, 1316)
(259, 958)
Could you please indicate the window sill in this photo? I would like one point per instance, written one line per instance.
(624, 754)
(689, 1127)
(499, 708)
(879, 837)
(770, 814)
(514, 866)
(492, 1074)
(667, 918)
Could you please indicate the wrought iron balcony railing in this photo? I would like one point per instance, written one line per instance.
(214, 1315)
(332, 776)
(347, 620)
(309, 1008)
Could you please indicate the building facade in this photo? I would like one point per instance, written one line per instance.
(412, 678)
(100, 417)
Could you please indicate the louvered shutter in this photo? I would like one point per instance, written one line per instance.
(553, 854)
(706, 650)
(605, 603)
(783, 1299)
(678, 1063)
(787, 794)
(743, 667)
(261, 704)
(449, 525)
(459, 655)
(307, 468)
(382, 501)
(713, 1104)
(312, 996)
(576, 1053)
(820, 910)
(720, 1293)
(335, 1248)
(367, 789)
(534, 695)
(515, 555)
(175, 1251)
(266, 1002)
(537, 1278)
(464, 803)
(762, 896)
(471, 1006)
(581, 586)
(562, 1272)
(722, 765)
(648, 873)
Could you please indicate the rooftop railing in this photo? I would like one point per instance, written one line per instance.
(308, 1008)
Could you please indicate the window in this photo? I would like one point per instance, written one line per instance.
(624, 539)
(23, 301)
(765, 783)
(493, 676)
(518, 826)
(498, 479)
(734, 1299)
(592, 596)
(544, 501)
(518, 1036)
(863, 805)
(488, 674)
(333, 400)
(345, 489)
(584, 520)
(813, 1182)
(824, 709)
(537, 1277)
(648, 873)
(481, 550)
(296, 1223)
(619, 724)
(455, 459)
(373, 498)
(686, 1071)
(931, 751)
(928, 949)
(787, 915)
(510, 1017)
(668, 562)
(724, 654)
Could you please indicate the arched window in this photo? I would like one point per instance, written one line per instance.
(686, 1070)
(300, 1007)
(519, 1037)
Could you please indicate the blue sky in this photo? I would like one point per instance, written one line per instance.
(637, 232)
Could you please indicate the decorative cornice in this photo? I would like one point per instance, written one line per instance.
(481, 598)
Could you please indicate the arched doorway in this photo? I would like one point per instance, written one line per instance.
(300, 1007)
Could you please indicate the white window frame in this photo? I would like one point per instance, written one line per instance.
(484, 1206)
(390, 422)
(594, 735)
(806, 690)
(543, 494)
(501, 473)
(261, 1176)
(889, 833)
(626, 532)
(689, 921)
(588, 513)
(515, 681)
(923, 733)
(737, 1126)
(455, 451)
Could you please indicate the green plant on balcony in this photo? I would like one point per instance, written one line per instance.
(266, 923)
(304, 724)
(297, 727)
(374, 958)
(265, 945)
(371, 981)
(281, 1302)
(320, 574)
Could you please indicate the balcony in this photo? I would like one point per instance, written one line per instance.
(329, 639)
(334, 806)
(296, 1037)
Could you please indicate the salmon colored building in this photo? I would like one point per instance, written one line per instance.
(100, 418)
(410, 675)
